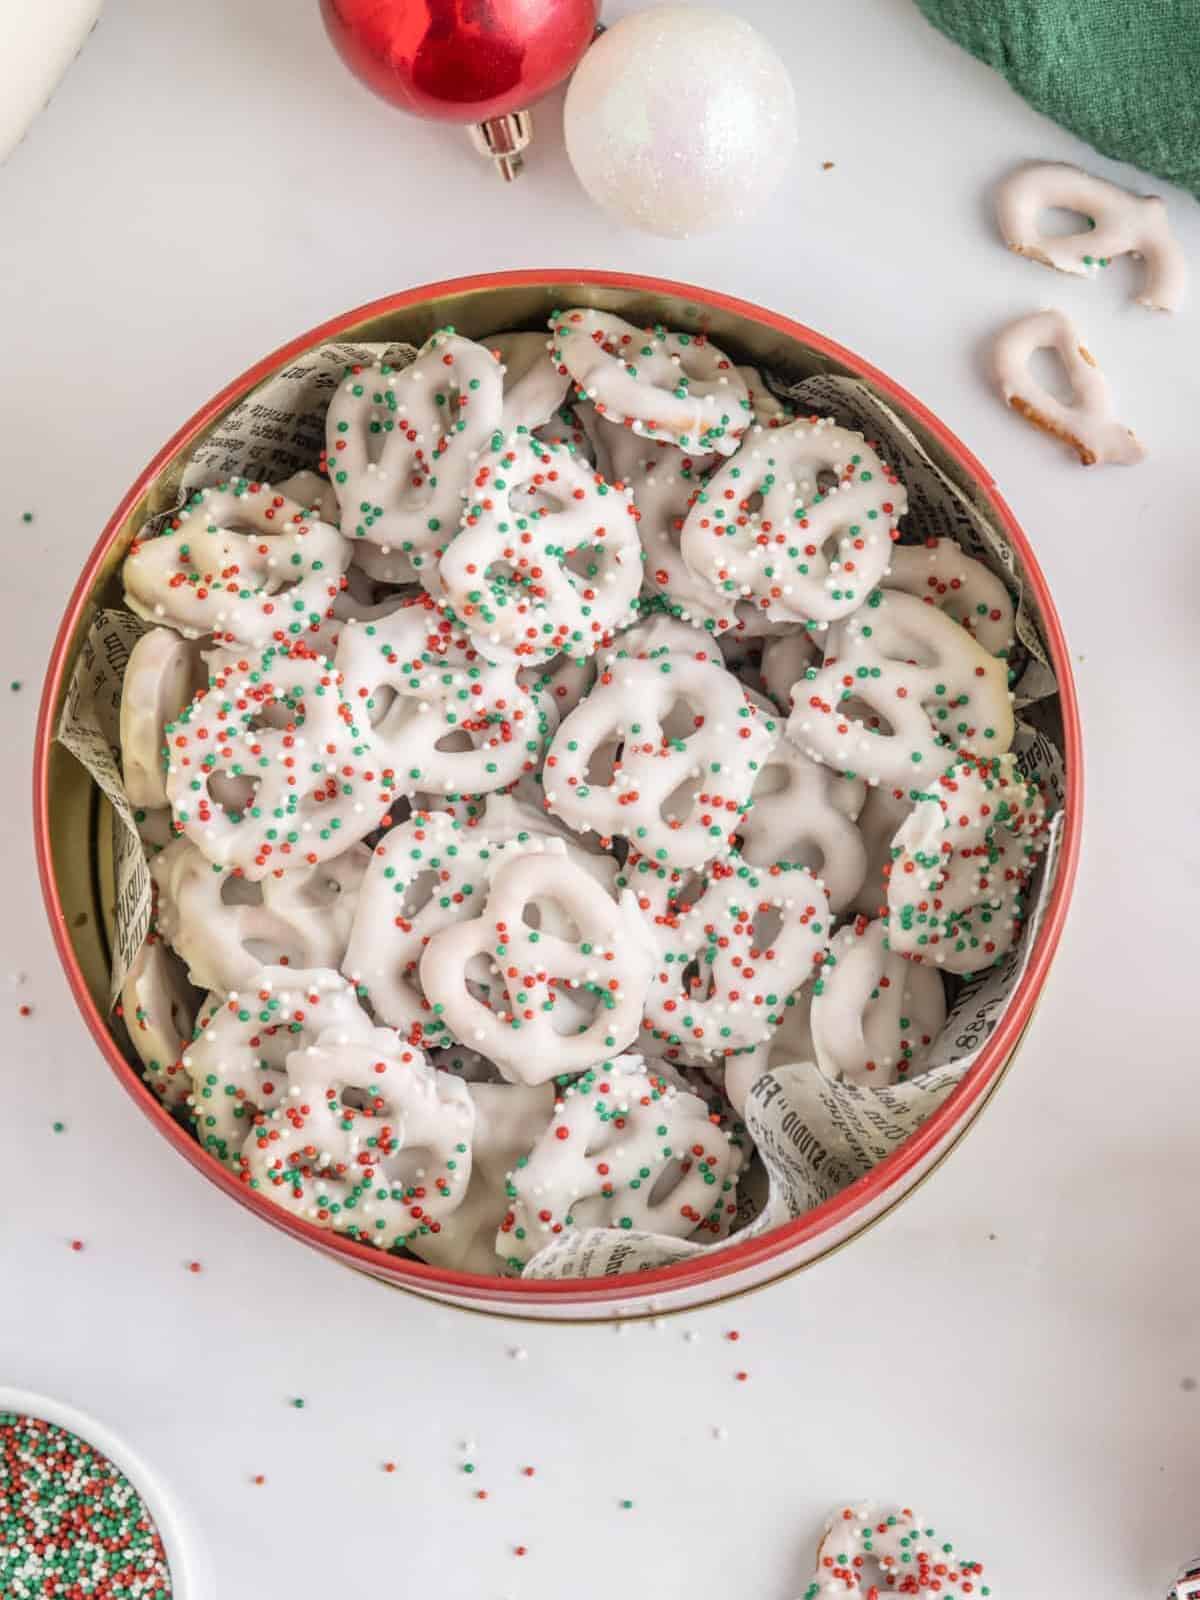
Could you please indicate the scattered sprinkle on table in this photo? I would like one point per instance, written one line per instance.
(518, 1353)
(259, 1478)
(389, 1466)
(741, 1376)
(59, 1127)
(194, 1266)
(626, 1505)
(27, 516)
(527, 1472)
(76, 1244)
(70, 1522)
(298, 1403)
(733, 1335)
(521, 1550)
(15, 685)
(25, 1011)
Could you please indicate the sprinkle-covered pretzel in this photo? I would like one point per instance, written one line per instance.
(237, 1062)
(159, 1010)
(509, 1119)
(261, 797)
(664, 752)
(547, 558)
(939, 572)
(785, 661)
(728, 963)
(962, 863)
(241, 561)
(802, 814)
(369, 1140)
(624, 1149)
(874, 1015)
(400, 445)
(163, 673)
(543, 1004)
(226, 928)
(673, 386)
(801, 522)
(424, 875)
(869, 1551)
(534, 385)
(903, 687)
(444, 719)
(1120, 223)
(1087, 424)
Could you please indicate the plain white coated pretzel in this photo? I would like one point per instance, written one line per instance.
(226, 928)
(786, 659)
(789, 1044)
(427, 873)
(1086, 426)
(870, 1551)
(237, 1062)
(664, 752)
(962, 863)
(678, 387)
(509, 1119)
(163, 673)
(261, 797)
(903, 687)
(534, 386)
(241, 561)
(369, 1140)
(728, 963)
(940, 572)
(1121, 223)
(768, 410)
(159, 1010)
(443, 718)
(802, 814)
(770, 528)
(874, 1016)
(888, 805)
(510, 819)
(314, 493)
(624, 1149)
(400, 444)
(547, 559)
(543, 1003)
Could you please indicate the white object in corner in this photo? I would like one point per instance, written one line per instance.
(39, 39)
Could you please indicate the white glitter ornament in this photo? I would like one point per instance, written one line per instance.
(681, 120)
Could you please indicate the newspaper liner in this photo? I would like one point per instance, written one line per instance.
(815, 1136)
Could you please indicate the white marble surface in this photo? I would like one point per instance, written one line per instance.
(1008, 1352)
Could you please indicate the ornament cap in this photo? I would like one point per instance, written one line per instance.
(503, 139)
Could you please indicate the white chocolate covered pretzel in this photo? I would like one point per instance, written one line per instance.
(400, 444)
(427, 873)
(903, 687)
(163, 673)
(767, 409)
(1121, 223)
(1087, 425)
(870, 1551)
(159, 1010)
(509, 1120)
(368, 1140)
(226, 928)
(624, 1149)
(728, 963)
(874, 1015)
(678, 387)
(940, 572)
(532, 1000)
(261, 797)
(887, 806)
(802, 814)
(664, 752)
(237, 1062)
(785, 662)
(801, 522)
(962, 863)
(443, 718)
(547, 558)
(241, 561)
(535, 387)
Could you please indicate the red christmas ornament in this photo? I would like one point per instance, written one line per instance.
(475, 61)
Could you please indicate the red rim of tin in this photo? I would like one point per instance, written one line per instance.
(511, 1294)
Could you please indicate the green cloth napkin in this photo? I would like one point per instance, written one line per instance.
(1122, 74)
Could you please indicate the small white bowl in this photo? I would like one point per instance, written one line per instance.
(181, 1558)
